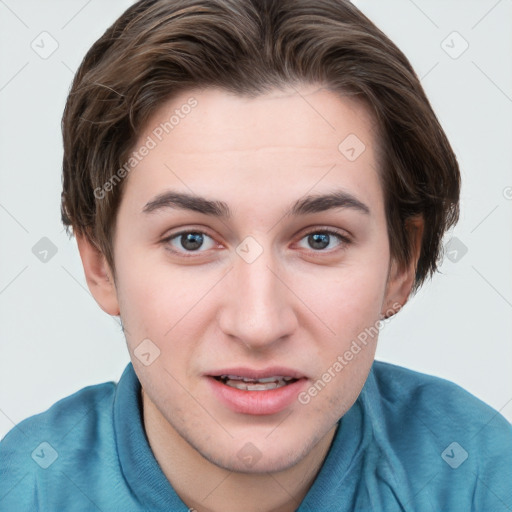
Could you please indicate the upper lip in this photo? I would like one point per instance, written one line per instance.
(252, 373)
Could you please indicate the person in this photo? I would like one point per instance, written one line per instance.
(255, 187)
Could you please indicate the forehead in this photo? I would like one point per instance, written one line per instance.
(212, 142)
(295, 114)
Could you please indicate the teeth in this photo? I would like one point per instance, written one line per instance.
(263, 381)
(247, 384)
(247, 379)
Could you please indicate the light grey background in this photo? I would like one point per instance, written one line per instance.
(54, 338)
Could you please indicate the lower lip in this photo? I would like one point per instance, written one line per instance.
(257, 402)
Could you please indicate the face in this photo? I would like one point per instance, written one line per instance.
(251, 242)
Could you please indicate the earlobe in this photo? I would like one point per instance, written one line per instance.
(98, 275)
(401, 280)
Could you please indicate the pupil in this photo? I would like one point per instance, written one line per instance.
(318, 240)
(192, 241)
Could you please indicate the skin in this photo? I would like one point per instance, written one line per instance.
(296, 305)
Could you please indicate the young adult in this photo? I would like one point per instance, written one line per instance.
(255, 187)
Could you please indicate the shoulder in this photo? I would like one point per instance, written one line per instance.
(69, 415)
(434, 400)
(53, 440)
(443, 435)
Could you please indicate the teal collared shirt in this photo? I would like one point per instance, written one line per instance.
(411, 442)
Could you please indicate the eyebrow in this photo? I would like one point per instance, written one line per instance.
(307, 205)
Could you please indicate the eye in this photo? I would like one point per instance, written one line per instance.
(189, 241)
(321, 240)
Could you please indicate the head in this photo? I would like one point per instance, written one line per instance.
(253, 185)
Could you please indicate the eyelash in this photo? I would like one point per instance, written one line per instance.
(343, 239)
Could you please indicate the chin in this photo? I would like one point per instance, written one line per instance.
(260, 454)
(261, 464)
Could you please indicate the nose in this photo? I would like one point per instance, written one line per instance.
(259, 304)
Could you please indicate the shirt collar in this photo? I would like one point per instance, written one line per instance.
(138, 464)
(149, 484)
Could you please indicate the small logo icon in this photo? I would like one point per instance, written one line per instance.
(44, 250)
(507, 193)
(454, 455)
(249, 249)
(45, 455)
(146, 352)
(249, 454)
(454, 45)
(351, 147)
(44, 45)
(455, 250)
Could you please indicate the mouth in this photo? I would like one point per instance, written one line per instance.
(257, 392)
(248, 384)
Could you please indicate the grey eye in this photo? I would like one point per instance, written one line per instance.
(319, 240)
(191, 241)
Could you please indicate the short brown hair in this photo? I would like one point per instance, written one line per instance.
(159, 48)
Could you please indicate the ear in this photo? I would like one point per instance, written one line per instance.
(401, 280)
(98, 276)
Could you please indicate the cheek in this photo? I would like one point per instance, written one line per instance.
(345, 299)
(350, 307)
(150, 299)
(168, 306)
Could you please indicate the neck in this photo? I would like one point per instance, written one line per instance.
(205, 487)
